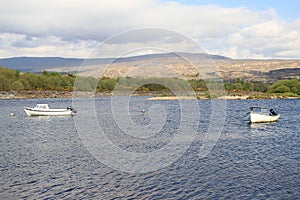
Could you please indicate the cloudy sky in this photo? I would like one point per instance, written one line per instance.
(74, 28)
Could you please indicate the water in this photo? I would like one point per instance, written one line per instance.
(44, 157)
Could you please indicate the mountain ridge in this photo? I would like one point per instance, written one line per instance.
(174, 64)
(36, 64)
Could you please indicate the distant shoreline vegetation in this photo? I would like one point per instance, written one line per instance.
(14, 81)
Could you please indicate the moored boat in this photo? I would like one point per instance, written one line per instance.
(260, 114)
(44, 110)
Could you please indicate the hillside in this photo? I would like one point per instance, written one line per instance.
(37, 64)
(188, 65)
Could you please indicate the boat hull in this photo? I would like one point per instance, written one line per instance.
(50, 112)
(260, 118)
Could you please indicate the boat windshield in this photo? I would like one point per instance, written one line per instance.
(42, 106)
(258, 109)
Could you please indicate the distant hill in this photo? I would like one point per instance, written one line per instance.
(188, 65)
(38, 64)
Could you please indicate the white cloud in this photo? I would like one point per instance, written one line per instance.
(12, 45)
(72, 28)
(264, 29)
(269, 39)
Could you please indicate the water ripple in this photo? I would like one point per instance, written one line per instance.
(44, 158)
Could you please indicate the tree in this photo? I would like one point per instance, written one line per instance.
(45, 73)
(237, 86)
(282, 89)
(261, 87)
(86, 84)
(283, 86)
(4, 86)
(198, 84)
(26, 85)
(18, 85)
(17, 74)
(248, 86)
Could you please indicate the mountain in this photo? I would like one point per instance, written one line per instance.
(38, 64)
(187, 65)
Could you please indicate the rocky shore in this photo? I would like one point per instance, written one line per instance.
(33, 94)
(27, 94)
(154, 95)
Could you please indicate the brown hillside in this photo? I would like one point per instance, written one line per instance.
(191, 66)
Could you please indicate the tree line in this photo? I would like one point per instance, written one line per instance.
(13, 80)
(290, 87)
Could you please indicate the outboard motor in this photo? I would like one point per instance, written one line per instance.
(72, 109)
(272, 112)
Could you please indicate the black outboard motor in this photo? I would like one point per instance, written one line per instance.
(272, 112)
(72, 109)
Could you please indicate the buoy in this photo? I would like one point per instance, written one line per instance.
(12, 114)
(144, 111)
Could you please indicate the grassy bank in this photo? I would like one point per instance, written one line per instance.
(14, 84)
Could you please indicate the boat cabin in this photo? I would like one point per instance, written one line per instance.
(262, 110)
(258, 109)
(41, 107)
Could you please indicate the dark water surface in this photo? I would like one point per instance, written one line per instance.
(44, 158)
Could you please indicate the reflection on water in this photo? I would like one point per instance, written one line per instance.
(263, 129)
(44, 158)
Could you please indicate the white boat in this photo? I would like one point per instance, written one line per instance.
(260, 114)
(44, 110)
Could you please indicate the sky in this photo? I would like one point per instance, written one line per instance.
(75, 28)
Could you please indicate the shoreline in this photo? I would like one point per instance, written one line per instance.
(153, 95)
